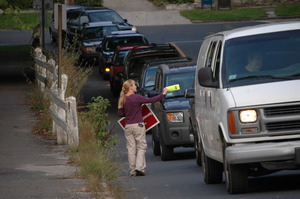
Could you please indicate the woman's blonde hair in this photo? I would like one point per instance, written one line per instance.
(125, 89)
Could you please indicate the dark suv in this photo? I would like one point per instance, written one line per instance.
(91, 37)
(110, 43)
(117, 66)
(146, 79)
(172, 110)
(77, 16)
(136, 59)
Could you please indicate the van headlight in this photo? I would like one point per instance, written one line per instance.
(175, 117)
(248, 116)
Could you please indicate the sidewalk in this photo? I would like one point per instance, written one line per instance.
(30, 165)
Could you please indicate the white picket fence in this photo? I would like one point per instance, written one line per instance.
(63, 110)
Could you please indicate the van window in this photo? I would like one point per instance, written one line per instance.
(279, 54)
(216, 70)
(210, 54)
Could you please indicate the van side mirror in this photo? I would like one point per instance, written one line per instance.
(189, 93)
(205, 78)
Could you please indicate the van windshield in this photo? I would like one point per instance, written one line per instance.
(261, 59)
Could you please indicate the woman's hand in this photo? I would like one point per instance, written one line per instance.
(165, 91)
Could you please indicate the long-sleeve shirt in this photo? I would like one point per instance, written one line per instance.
(132, 107)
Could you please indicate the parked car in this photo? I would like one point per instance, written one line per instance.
(77, 16)
(117, 66)
(190, 94)
(54, 31)
(136, 59)
(248, 120)
(110, 43)
(146, 79)
(91, 38)
(172, 110)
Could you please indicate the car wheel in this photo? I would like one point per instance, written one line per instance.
(105, 76)
(155, 145)
(196, 145)
(236, 175)
(52, 38)
(212, 169)
(198, 152)
(111, 85)
(166, 152)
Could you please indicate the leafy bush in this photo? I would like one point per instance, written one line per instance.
(161, 2)
(96, 115)
(21, 4)
(89, 2)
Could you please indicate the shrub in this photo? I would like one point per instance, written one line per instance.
(161, 2)
(21, 4)
(96, 116)
(89, 2)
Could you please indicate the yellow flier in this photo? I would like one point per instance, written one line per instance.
(174, 87)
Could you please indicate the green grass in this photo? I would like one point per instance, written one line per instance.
(18, 48)
(233, 14)
(20, 21)
(288, 10)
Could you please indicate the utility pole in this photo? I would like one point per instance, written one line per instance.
(59, 44)
(42, 22)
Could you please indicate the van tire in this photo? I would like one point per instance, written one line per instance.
(212, 169)
(166, 152)
(236, 175)
(236, 178)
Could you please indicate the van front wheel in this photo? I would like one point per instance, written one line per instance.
(212, 169)
(236, 175)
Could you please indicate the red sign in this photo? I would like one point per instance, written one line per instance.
(149, 118)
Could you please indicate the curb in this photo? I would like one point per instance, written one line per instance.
(242, 20)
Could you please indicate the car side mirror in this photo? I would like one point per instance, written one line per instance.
(153, 93)
(98, 49)
(189, 93)
(120, 75)
(132, 76)
(205, 78)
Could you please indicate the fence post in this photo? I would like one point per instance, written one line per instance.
(62, 137)
(38, 54)
(72, 122)
(50, 75)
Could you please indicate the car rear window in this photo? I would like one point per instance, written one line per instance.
(114, 42)
(107, 15)
(185, 81)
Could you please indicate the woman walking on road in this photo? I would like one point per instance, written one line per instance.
(135, 132)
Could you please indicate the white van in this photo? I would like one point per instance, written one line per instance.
(247, 103)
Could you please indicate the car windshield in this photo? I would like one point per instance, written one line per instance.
(149, 78)
(107, 15)
(121, 57)
(185, 81)
(114, 42)
(98, 32)
(262, 58)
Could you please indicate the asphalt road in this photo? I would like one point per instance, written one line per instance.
(31, 167)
